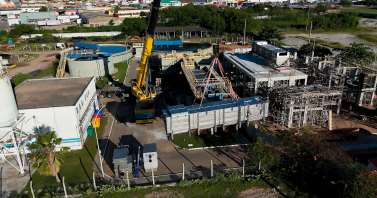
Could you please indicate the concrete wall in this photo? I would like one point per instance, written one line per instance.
(119, 57)
(60, 27)
(95, 67)
(69, 35)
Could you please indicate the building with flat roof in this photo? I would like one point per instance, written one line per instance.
(61, 105)
(255, 73)
(33, 18)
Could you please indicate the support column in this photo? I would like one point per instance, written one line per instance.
(174, 34)
(237, 80)
(330, 119)
(244, 85)
(201, 34)
(359, 99)
(290, 117)
(339, 104)
(305, 120)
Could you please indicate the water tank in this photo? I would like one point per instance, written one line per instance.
(8, 103)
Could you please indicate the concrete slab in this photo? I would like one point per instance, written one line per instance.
(131, 71)
(170, 158)
(11, 183)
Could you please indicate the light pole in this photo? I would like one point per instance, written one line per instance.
(374, 63)
(99, 151)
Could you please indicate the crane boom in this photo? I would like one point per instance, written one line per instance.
(138, 87)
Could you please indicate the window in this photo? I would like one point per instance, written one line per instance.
(283, 53)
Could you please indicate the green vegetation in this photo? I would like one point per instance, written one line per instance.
(358, 53)
(43, 9)
(334, 45)
(111, 22)
(77, 166)
(268, 33)
(220, 185)
(117, 8)
(19, 78)
(47, 160)
(335, 21)
(203, 140)
(346, 3)
(318, 50)
(363, 10)
(121, 75)
(368, 37)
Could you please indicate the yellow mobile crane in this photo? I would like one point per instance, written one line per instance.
(144, 109)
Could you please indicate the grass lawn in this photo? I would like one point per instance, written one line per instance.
(334, 45)
(278, 43)
(222, 188)
(77, 167)
(368, 37)
(365, 10)
(203, 140)
(121, 74)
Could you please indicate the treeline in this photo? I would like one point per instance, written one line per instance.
(219, 21)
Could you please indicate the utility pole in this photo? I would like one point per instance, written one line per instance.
(310, 32)
(244, 33)
(307, 20)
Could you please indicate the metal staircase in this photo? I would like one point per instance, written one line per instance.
(61, 67)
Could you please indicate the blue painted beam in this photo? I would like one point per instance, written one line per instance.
(87, 45)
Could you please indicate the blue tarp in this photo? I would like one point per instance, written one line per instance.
(168, 43)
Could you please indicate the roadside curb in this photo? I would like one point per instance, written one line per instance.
(208, 147)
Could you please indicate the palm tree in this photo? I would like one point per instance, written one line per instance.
(47, 159)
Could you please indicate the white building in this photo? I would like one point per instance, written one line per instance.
(270, 52)
(64, 106)
(30, 9)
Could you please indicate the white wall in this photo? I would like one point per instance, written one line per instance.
(61, 120)
(85, 106)
(69, 35)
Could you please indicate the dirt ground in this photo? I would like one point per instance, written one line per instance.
(233, 46)
(342, 38)
(44, 60)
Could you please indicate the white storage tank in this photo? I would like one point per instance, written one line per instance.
(8, 105)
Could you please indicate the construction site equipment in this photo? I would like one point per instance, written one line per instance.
(144, 111)
(61, 67)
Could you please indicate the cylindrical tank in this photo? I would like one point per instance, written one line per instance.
(8, 105)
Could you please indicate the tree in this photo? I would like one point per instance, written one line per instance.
(369, 2)
(133, 26)
(266, 155)
(43, 9)
(143, 14)
(259, 8)
(268, 33)
(358, 53)
(364, 185)
(48, 161)
(21, 29)
(322, 7)
(318, 50)
(111, 22)
(117, 8)
(346, 3)
(19, 78)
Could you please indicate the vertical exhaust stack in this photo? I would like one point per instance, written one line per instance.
(8, 105)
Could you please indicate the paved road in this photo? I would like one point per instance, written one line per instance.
(131, 71)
